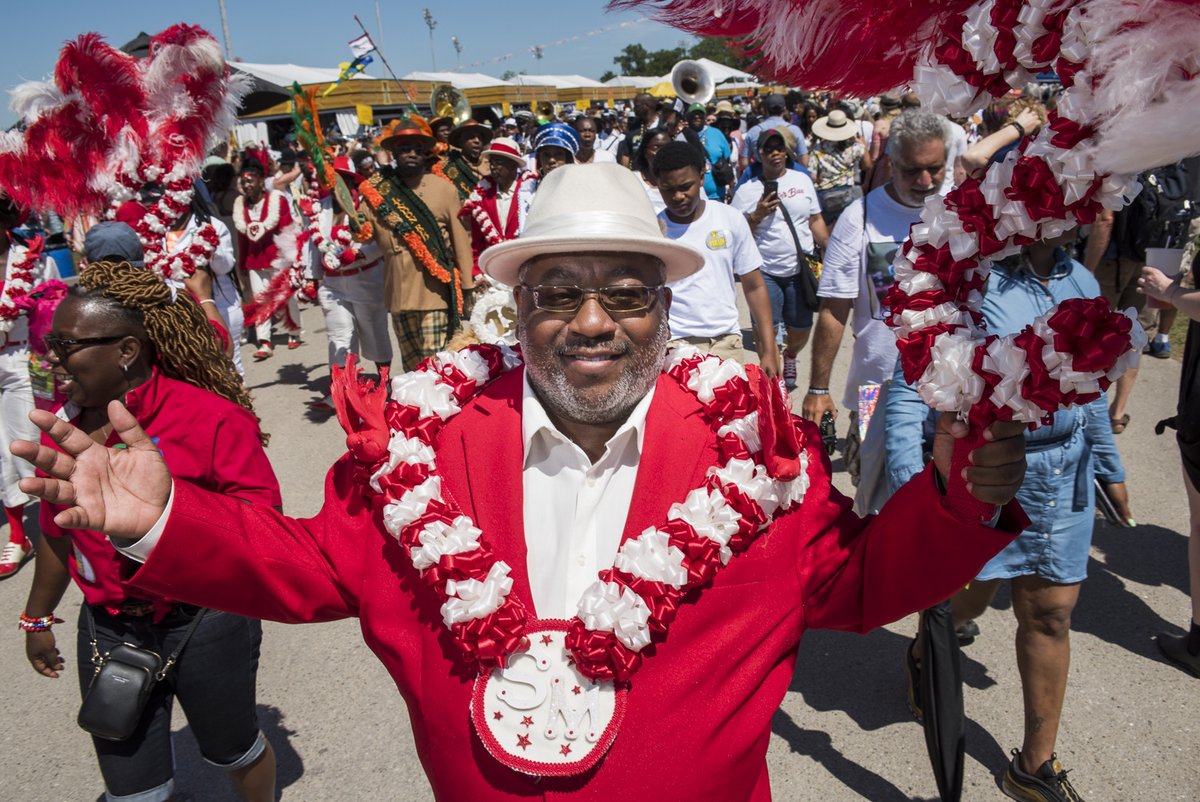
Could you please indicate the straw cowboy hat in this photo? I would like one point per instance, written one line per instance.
(581, 208)
(836, 127)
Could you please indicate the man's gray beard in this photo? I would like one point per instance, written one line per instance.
(563, 400)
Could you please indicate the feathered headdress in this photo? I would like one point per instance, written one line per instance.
(108, 124)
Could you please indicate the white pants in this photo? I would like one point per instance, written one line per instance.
(259, 281)
(356, 317)
(229, 304)
(16, 402)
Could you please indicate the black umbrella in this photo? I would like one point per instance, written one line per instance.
(942, 700)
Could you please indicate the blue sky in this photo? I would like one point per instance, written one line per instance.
(314, 33)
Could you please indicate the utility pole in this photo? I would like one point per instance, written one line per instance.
(431, 23)
(454, 40)
(378, 25)
(225, 30)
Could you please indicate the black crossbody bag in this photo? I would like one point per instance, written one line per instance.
(125, 676)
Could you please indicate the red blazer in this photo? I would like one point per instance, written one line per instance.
(704, 696)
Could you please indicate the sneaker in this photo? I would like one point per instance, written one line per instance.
(1050, 784)
(13, 557)
(293, 343)
(789, 372)
(1160, 349)
(912, 674)
(1174, 648)
(265, 350)
(967, 633)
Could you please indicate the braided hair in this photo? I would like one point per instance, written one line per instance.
(184, 347)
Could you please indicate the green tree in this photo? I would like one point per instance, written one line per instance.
(607, 76)
(636, 60)
(722, 51)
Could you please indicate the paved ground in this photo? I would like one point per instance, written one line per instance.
(843, 733)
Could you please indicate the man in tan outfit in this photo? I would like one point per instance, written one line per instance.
(426, 249)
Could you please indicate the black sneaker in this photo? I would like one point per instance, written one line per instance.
(1050, 784)
(912, 673)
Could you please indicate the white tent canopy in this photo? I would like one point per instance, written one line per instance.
(287, 74)
(459, 80)
(639, 81)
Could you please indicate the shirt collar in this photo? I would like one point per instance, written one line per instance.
(536, 422)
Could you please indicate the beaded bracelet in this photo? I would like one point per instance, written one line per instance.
(42, 624)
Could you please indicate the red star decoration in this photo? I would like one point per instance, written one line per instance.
(565, 749)
(497, 715)
(523, 741)
(526, 721)
(577, 690)
(547, 640)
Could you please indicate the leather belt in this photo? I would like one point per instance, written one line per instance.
(355, 271)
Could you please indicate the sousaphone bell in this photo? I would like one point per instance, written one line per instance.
(692, 82)
(446, 101)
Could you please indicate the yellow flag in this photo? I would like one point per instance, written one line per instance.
(366, 115)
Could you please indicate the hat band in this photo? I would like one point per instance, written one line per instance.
(593, 225)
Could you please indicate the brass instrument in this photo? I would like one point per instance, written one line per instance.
(545, 112)
(446, 101)
(692, 82)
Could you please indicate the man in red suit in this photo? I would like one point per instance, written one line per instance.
(590, 459)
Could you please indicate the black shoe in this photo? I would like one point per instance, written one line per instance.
(912, 673)
(967, 633)
(1050, 784)
(1174, 648)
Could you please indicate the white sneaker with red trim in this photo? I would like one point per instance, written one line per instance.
(13, 557)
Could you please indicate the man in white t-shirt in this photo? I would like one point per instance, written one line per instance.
(782, 209)
(858, 265)
(704, 305)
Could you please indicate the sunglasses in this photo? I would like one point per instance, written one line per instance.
(65, 347)
(407, 147)
(567, 298)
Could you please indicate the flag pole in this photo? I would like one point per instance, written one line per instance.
(411, 101)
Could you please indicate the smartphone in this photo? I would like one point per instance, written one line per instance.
(770, 186)
(828, 433)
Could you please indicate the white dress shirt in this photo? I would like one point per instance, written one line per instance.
(574, 509)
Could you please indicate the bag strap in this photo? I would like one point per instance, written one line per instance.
(97, 659)
(170, 661)
(801, 256)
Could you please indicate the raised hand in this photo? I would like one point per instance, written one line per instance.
(120, 491)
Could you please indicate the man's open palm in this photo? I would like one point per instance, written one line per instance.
(119, 491)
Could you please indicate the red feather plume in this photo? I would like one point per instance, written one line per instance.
(859, 47)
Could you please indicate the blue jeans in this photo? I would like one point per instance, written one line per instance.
(786, 306)
(214, 680)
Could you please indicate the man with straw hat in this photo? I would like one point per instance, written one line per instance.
(495, 211)
(426, 250)
(600, 558)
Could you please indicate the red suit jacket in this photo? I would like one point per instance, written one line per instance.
(699, 714)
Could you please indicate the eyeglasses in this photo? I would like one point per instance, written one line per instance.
(620, 299)
(64, 347)
(407, 147)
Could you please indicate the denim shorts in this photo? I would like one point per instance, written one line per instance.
(786, 304)
(214, 680)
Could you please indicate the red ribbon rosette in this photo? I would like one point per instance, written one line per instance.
(488, 641)
(599, 655)
(1094, 335)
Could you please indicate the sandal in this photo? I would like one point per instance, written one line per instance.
(264, 351)
(1119, 424)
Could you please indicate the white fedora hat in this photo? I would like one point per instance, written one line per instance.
(836, 127)
(581, 208)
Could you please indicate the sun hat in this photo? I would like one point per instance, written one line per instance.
(835, 127)
(407, 127)
(507, 148)
(470, 127)
(724, 107)
(581, 208)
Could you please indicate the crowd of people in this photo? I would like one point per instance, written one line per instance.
(472, 232)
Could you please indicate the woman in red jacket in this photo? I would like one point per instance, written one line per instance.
(122, 334)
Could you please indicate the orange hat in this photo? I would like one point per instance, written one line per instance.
(411, 126)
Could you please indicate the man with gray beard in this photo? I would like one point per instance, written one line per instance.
(571, 567)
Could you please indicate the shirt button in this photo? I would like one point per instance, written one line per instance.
(1057, 471)
(1052, 504)
(581, 561)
